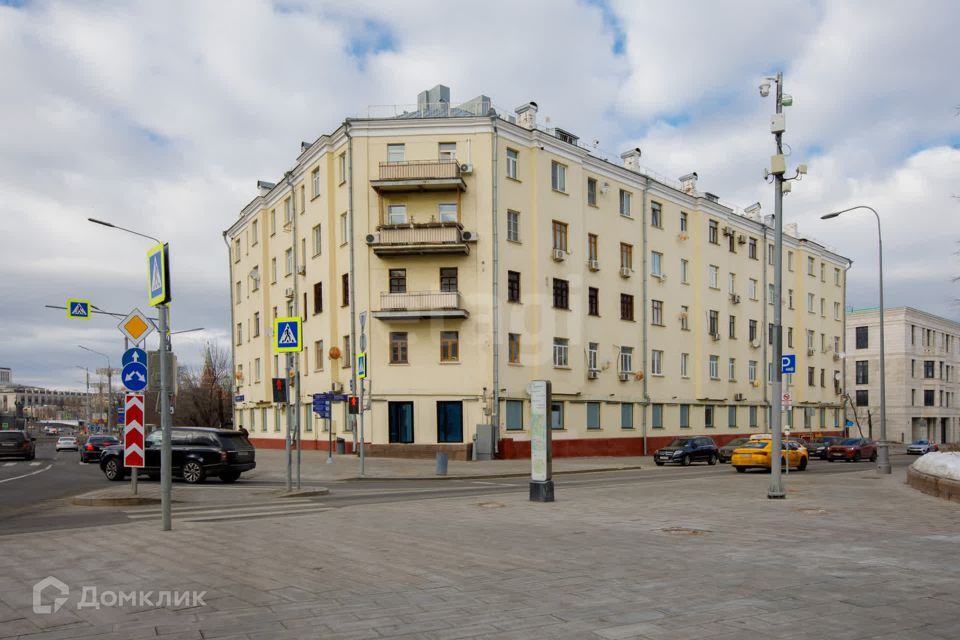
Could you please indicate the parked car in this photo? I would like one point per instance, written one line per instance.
(18, 443)
(198, 453)
(51, 431)
(686, 450)
(853, 450)
(725, 452)
(801, 442)
(67, 443)
(818, 446)
(920, 447)
(94, 446)
(756, 454)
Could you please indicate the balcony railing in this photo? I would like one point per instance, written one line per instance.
(420, 304)
(419, 169)
(420, 239)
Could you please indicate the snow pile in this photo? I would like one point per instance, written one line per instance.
(942, 464)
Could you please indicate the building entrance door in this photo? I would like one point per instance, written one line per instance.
(401, 422)
(449, 421)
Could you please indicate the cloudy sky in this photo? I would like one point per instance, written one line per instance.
(161, 116)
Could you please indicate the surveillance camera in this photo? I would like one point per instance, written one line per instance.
(802, 169)
(764, 89)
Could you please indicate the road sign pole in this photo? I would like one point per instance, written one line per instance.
(166, 450)
(296, 408)
(360, 411)
(289, 426)
(133, 476)
(330, 435)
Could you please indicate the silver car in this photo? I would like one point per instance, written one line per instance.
(67, 443)
(920, 447)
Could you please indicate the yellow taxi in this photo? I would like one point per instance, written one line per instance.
(756, 455)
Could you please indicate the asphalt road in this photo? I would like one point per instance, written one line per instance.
(32, 498)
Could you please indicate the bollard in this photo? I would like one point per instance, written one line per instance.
(441, 463)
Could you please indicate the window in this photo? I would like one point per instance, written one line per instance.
(656, 312)
(823, 305)
(862, 337)
(396, 214)
(317, 298)
(752, 249)
(398, 347)
(684, 416)
(239, 335)
(732, 369)
(732, 416)
(254, 232)
(625, 198)
(656, 362)
(448, 151)
(513, 286)
(556, 415)
(732, 326)
(810, 339)
(342, 167)
(713, 232)
(344, 231)
(315, 180)
(732, 283)
(789, 260)
(513, 348)
(770, 294)
(684, 269)
(273, 221)
(714, 369)
(836, 310)
(810, 302)
(683, 221)
(863, 372)
(592, 348)
(448, 279)
(236, 250)
(513, 226)
(288, 261)
(626, 415)
(256, 377)
(447, 212)
(591, 246)
(656, 215)
(752, 371)
(863, 398)
(449, 346)
(560, 235)
(593, 301)
(347, 358)
(626, 360)
(823, 273)
(714, 276)
(836, 277)
(317, 240)
(514, 415)
(238, 292)
(513, 161)
(714, 326)
(558, 176)
(345, 290)
(811, 376)
(928, 368)
(752, 330)
(398, 280)
(656, 416)
(256, 324)
(561, 294)
(593, 415)
(561, 347)
(626, 306)
(752, 288)
(684, 317)
(811, 266)
(928, 397)
(626, 256)
(770, 253)
(395, 152)
(287, 211)
(656, 263)
(318, 355)
(708, 416)
(591, 192)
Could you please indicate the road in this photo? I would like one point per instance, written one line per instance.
(31, 497)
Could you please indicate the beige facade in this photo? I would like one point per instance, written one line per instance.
(488, 252)
(922, 359)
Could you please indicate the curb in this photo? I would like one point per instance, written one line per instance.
(303, 493)
(112, 501)
(943, 488)
(483, 477)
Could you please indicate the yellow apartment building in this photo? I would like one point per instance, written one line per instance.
(484, 251)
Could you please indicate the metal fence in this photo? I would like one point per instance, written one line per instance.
(420, 235)
(419, 300)
(419, 169)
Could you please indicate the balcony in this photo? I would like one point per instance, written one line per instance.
(418, 305)
(419, 175)
(421, 239)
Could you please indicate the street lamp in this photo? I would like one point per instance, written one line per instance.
(166, 450)
(883, 449)
(88, 393)
(111, 423)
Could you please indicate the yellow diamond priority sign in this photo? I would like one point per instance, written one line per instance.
(136, 326)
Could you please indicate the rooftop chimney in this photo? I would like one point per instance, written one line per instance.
(631, 159)
(791, 229)
(688, 183)
(265, 187)
(527, 115)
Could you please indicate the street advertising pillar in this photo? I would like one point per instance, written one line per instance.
(541, 455)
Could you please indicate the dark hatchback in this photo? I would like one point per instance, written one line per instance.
(18, 443)
(817, 448)
(725, 452)
(91, 449)
(198, 453)
(686, 450)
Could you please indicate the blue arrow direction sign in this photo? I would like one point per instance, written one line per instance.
(321, 406)
(331, 397)
(134, 376)
(788, 363)
(133, 354)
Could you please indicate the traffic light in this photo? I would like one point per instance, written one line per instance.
(353, 405)
(280, 390)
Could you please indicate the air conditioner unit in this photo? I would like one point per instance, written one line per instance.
(741, 239)
(373, 238)
(755, 344)
(289, 292)
(593, 265)
(337, 386)
(715, 336)
(466, 168)
(739, 397)
(592, 374)
(836, 357)
(559, 255)
(810, 352)
(727, 231)
(468, 236)
(624, 376)
(302, 270)
(626, 272)
(734, 298)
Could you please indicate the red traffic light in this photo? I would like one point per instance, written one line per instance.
(353, 404)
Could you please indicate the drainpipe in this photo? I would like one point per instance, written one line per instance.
(496, 291)
(233, 324)
(763, 334)
(643, 315)
(843, 342)
(351, 276)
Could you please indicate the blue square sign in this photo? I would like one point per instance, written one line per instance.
(788, 363)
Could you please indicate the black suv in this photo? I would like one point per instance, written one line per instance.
(18, 443)
(90, 450)
(198, 452)
(687, 450)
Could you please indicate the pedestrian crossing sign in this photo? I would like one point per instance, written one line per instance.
(286, 335)
(158, 275)
(78, 309)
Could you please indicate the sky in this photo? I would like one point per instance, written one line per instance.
(161, 117)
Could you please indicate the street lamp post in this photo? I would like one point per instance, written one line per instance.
(293, 359)
(883, 449)
(87, 397)
(111, 422)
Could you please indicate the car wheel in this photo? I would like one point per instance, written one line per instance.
(803, 465)
(829, 459)
(856, 457)
(873, 457)
(229, 476)
(686, 460)
(112, 470)
(712, 460)
(658, 463)
(741, 469)
(193, 472)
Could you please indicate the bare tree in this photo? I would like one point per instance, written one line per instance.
(203, 398)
